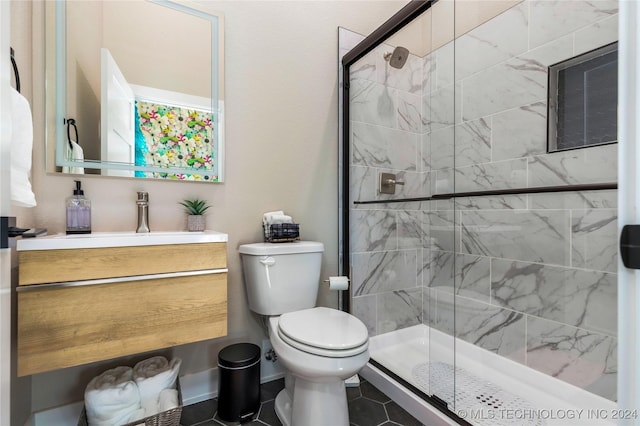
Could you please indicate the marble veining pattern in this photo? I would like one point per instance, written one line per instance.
(553, 19)
(585, 299)
(489, 44)
(501, 234)
(373, 103)
(399, 309)
(472, 142)
(498, 330)
(508, 140)
(407, 79)
(494, 202)
(365, 308)
(516, 82)
(534, 274)
(488, 176)
(469, 274)
(381, 147)
(594, 239)
(409, 112)
(597, 164)
(582, 358)
(373, 230)
(381, 272)
(438, 108)
(442, 147)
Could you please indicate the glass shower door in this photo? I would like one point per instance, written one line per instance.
(399, 104)
(442, 235)
(536, 263)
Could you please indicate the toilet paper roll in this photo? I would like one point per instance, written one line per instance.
(338, 283)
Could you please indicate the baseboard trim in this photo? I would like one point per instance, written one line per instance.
(196, 387)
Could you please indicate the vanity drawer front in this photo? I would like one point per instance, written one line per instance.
(47, 266)
(67, 326)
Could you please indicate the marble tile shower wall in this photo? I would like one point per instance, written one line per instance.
(535, 275)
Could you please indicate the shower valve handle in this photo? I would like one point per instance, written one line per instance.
(393, 182)
(388, 183)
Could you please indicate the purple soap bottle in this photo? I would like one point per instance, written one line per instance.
(78, 212)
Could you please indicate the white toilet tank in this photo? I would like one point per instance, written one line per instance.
(281, 277)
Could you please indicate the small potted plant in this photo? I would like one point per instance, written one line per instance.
(195, 210)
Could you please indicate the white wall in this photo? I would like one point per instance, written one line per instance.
(281, 153)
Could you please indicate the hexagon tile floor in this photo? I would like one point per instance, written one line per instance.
(367, 407)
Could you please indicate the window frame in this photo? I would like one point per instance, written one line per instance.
(552, 94)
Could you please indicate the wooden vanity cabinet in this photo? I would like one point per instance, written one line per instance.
(77, 306)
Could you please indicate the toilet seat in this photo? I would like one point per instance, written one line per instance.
(324, 331)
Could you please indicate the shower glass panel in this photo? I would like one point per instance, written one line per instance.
(534, 273)
(488, 280)
(400, 107)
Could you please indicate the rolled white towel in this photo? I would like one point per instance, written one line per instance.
(266, 218)
(281, 218)
(168, 399)
(139, 414)
(111, 398)
(152, 376)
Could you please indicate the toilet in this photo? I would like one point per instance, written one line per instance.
(319, 347)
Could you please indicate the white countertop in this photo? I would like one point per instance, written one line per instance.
(118, 239)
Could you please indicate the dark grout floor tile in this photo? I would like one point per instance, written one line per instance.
(269, 390)
(398, 415)
(199, 412)
(367, 406)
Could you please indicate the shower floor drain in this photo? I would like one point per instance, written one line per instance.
(484, 403)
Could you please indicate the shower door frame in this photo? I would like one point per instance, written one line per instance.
(628, 188)
(628, 207)
(394, 24)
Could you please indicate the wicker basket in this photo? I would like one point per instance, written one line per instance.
(282, 233)
(166, 418)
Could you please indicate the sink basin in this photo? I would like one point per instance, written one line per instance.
(118, 239)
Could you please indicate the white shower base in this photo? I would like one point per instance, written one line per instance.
(542, 399)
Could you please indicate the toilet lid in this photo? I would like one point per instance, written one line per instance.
(324, 328)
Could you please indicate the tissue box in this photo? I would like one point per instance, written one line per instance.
(282, 233)
(165, 418)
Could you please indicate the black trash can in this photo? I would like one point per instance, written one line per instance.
(239, 385)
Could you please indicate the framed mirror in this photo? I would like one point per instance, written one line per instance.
(135, 89)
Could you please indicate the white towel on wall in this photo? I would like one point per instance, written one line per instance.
(73, 152)
(152, 376)
(112, 398)
(21, 151)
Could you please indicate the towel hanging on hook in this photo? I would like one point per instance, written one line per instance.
(15, 69)
(72, 122)
(74, 150)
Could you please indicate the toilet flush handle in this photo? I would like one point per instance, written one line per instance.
(268, 261)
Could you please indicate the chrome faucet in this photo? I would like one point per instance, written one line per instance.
(143, 212)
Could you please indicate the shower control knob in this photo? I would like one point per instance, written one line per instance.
(388, 183)
(393, 182)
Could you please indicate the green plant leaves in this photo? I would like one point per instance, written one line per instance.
(195, 207)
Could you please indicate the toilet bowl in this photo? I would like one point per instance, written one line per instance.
(319, 347)
(317, 367)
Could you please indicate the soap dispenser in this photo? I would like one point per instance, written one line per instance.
(78, 212)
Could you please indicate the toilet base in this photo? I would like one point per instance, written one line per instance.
(283, 407)
(314, 404)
